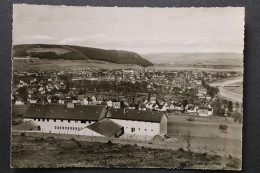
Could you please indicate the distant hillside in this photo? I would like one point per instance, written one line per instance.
(196, 58)
(67, 52)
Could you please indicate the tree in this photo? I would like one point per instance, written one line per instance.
(212, 91)
(216, 105)
(203, 83)
(237, 105)
(237, 117)
(223, 127)
(230, 106)
(188, 138)
(185, 102)
(224, 102)
(23, 93)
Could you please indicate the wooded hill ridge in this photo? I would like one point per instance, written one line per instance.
(69, 52)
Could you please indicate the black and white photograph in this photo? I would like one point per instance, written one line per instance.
(127, 87)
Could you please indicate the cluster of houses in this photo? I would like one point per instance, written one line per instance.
(176, 82)
(50, 87)
(152, 103)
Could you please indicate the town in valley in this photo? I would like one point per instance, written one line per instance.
(156, 97)
(138, 105)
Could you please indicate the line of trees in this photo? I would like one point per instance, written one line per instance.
(212, 91)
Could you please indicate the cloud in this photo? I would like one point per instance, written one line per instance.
(136, 29)
(27, 39)
(83, 39)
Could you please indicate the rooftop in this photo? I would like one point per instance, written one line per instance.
(55, 111)
(105, 127)
(149, 116)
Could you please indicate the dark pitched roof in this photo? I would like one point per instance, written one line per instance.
(105, 127)
(79, 112)
(131, 104)
(28, 125)
(149, 116)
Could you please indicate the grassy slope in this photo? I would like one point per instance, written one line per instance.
(49, 152)
(79, 53)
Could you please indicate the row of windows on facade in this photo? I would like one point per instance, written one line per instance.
(133, 129)
(54, 120)
(67, 128)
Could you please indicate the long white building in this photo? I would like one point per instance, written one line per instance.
(65, 119)
(94, 120)
(137, 122)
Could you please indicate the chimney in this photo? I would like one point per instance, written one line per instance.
(70, 105)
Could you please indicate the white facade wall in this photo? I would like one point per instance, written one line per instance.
(33, 101)
(85, 101)
(88, 132)
(210, 113)
(19, 103)
(163, 126)
(63, 127)
(61, 101)
(109, 103)
(140, 127)
(203, 113)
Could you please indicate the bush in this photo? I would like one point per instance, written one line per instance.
(238, 117)
(109, 142)
(22, 134)
(181, 149)
(41, 139)
(78, 143)
(190, 119)
(182, 165)
(223, 127)
(234, 163)
(61, 152)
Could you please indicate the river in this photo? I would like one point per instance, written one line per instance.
(228, 94)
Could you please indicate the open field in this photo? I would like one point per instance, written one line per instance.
(228, 81)
(238, 83)
(217, 58)
(206, 133)
(58, 51)
(180, 68)
(46, 65)
(63, 65)
(227, 91)
(50, 152)
(238, 90)
(230, 95)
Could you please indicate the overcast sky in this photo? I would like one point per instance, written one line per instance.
(143, 30)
